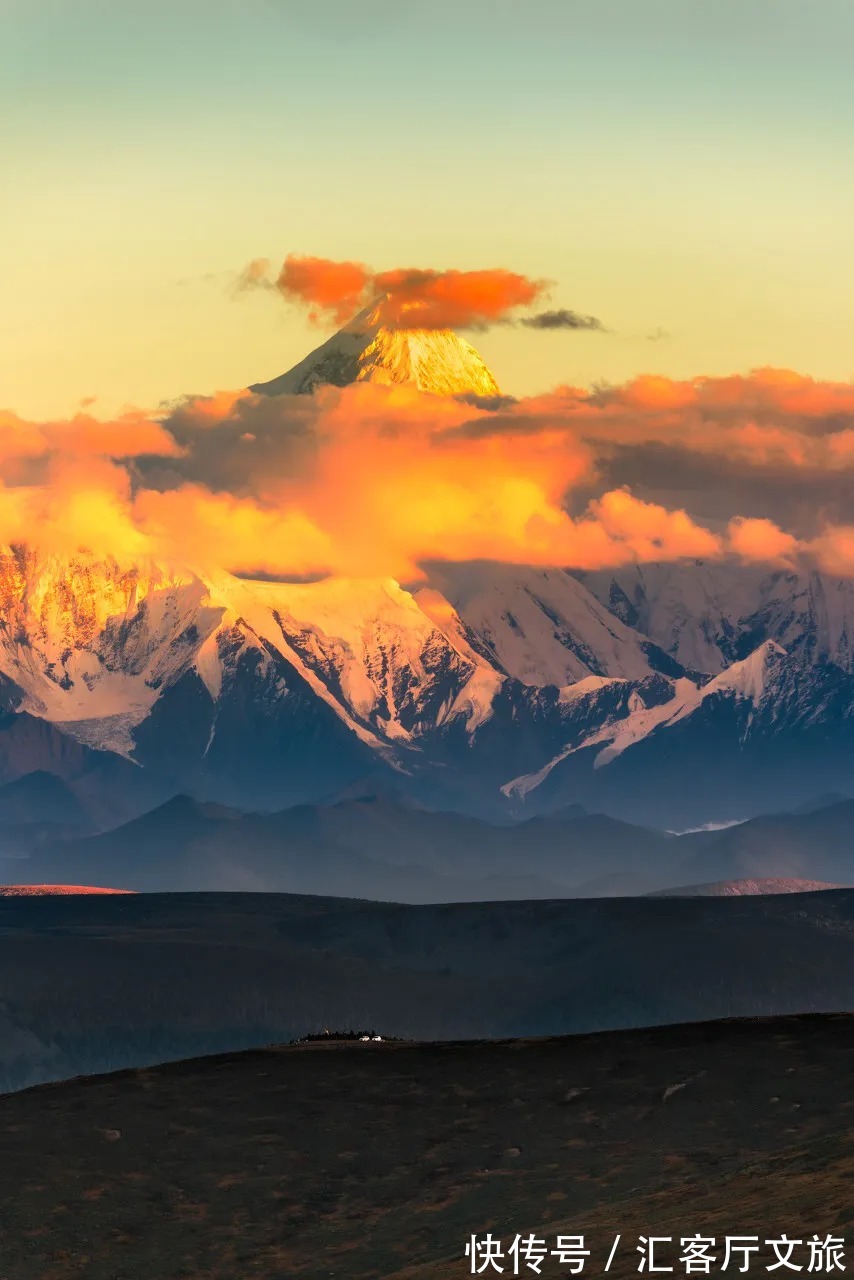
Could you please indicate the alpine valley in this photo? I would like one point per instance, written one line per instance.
(675, 695)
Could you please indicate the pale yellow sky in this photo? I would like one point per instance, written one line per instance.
(681, 173)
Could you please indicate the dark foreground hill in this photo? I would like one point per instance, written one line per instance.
(380, 1161)
(100, 982)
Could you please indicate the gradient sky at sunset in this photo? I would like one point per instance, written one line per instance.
(683, 170)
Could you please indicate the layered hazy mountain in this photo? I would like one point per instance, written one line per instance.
(675, 695)
(387, 848)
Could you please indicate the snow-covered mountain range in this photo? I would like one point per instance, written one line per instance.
(675, 694)
(492, 689)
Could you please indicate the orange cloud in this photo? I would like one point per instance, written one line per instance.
(409, 297)
(769, 417)
(372, 480)
(128, 436)
(83, 504)
(202, 529)
(389, 483)
(392, 482)
(333, 290)
(454, 299)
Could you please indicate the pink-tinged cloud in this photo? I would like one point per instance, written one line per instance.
(761, 539)
(650, 531)
(833, 549)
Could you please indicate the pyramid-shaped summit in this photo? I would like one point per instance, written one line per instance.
(369, 350)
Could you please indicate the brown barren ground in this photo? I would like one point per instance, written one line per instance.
(380, 1160)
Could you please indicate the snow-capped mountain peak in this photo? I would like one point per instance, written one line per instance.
(85, 640)
(749, 678)
(367, 349)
